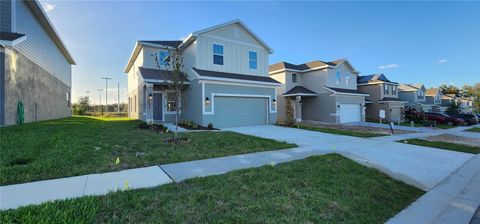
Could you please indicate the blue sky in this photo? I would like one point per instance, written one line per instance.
(427, 42)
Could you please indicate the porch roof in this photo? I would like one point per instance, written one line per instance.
(346, 91)
(391, 99)
(234, 76)
(299, 91)
(158, 75)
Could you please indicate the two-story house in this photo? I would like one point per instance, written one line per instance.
(319, 91)
(433, 96)
(35, 65)
(227, 71)
(414, 94)
(383, 96)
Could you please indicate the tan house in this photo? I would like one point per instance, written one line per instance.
(383, 98)
(415, 95)
(319, 91)
(433, 96)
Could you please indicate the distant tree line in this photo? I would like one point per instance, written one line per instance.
(84, 107)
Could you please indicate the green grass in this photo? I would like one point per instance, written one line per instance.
(441, 126)
(442, 145)
(340, 132)
(83, 145)
(476, 129)
(321, 189)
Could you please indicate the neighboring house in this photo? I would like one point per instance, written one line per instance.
(383, 95)
(433, 96)
(415, 95)
(35, 65)
(448, 99)
(466, 104)
(228, 83)
(319, 91)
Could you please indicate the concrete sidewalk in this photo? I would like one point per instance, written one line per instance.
(14, 196)
(454, 200)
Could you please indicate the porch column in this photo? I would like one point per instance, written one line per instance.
(149, 103)
(298, 105)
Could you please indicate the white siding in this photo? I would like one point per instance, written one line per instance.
(39, 47)
(235, 51)
(189, 59)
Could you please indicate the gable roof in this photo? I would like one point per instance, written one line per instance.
(432, 91)
(373, 78)
(158, 74)
(225, 75)
(406, 88)
(194, 35)
(317, 64)
(42, 18)
(416, 85)
(299, 91)
(346, 91)
(167, 43)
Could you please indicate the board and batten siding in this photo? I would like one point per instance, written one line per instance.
(39, 47)
(6, 15)
(236, 49)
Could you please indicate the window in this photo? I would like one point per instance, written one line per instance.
(347, 79)
(385, 89)
(217, 54)
(68, 99)
(171, 97)
(394, 88)
(135, 103)
(252, 59)
(162, 56)
(294, 78)
(338, 77)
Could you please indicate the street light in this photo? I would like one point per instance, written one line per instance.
(106, 92)
(100, 102)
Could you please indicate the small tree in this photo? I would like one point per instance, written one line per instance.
(289, 113)
(411, 114)
(82, 107)
(454, 108)
(174, 62)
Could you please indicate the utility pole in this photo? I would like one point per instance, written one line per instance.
(106, 92)
(118, 97)
(100, 102)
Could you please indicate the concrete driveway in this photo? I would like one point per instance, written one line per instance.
(422, 167)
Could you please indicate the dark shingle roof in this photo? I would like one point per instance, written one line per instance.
(299, 90)
(8, 36)
(158, 74)
(392, 99)
(340, 90)
(169, 43)
(304, 66)
(235, 76)
(374, 77)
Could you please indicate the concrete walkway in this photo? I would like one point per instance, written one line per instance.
(14, 196)
(454, 200)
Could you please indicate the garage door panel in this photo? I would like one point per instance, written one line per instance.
(350, 113)
(239, 111)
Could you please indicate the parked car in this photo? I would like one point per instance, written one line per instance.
(443, 118)
(469, 118)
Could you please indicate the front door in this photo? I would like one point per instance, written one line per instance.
(157, 107)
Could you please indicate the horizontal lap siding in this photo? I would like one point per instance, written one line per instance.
(39, 47)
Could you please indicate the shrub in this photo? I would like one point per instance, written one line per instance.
(289, 117)
(411, 114)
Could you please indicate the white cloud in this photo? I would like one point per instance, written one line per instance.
(388, 66)
(441, 61)
(48, 7)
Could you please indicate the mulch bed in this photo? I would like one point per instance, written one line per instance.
(198, 127)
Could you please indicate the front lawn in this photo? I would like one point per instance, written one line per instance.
(476, 129)
(83, 145)
(442, 145)
(340, 131)
(321, 189)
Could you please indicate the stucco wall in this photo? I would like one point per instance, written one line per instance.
(43, 95)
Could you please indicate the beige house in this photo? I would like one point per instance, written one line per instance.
(383, 98)
(319, 91)
(433, 96)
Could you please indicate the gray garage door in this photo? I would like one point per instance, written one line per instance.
(239, 111)
(396, 114)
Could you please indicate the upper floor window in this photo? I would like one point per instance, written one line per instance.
(394, 90)
(162, 58)
(385, 89)
(252, 60)
(217, 54)
(339, 77)
(419, 94)
(347, 79)
(294, 78)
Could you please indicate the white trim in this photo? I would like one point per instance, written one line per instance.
(213, 54)
(334, 93)
(300, 94)
(269, 102)
(378, 82)
(161, 81)
(238, 81)
(13, 42)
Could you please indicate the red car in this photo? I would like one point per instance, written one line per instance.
(443, 118)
